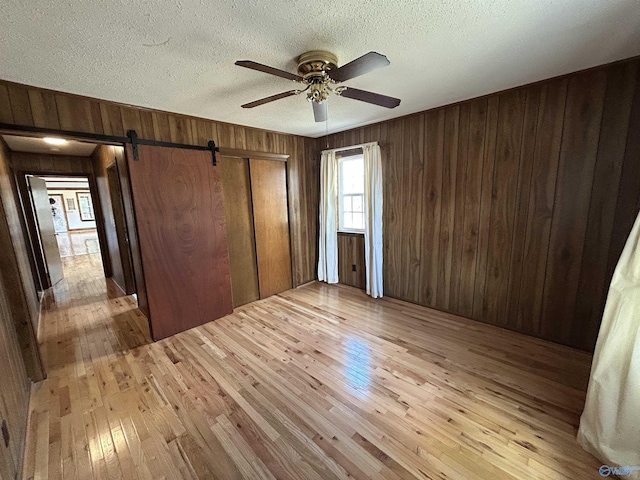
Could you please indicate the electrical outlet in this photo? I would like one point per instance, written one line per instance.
(5, 433)
(353, 267)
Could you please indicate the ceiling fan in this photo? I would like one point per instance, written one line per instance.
(318, 71)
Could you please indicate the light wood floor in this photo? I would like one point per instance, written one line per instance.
(318, 382)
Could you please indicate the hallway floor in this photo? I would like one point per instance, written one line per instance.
(84, 242)
(320, 382)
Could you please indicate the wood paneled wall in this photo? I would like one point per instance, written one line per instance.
(30, 106)
(14, 394)
(101, 158)
(350, 254)
(16, 314)
(14, 264)
(513, 208)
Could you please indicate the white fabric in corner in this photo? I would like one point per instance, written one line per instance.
(610, 422)
(373, 219)
(328, 236)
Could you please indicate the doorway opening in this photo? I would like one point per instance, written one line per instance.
(74, 224)
(69, 195)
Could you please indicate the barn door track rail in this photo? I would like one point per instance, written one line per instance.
(132, 138)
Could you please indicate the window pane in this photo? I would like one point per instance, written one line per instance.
(357, 204)
(358, 221)
(346, 204)
(348, 220)
(351, 193)
(352, 175)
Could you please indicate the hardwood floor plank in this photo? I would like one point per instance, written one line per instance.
(320, 382)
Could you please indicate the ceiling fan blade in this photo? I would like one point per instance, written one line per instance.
(320, 111)
(266, 69)
(272, 98)
(364, 64)
(370, 97)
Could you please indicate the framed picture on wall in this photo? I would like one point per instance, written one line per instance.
(85, 205)
(71, 203)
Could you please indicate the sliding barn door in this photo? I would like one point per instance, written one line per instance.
(271, 223)
(179, 213)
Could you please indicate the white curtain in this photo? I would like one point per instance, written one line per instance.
(373, 219)
(610, 422)
(328, 237)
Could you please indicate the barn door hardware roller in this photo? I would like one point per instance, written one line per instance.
(135, 141)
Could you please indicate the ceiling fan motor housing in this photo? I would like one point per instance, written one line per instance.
(316, 62)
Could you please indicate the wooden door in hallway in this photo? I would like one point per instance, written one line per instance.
(271, 223)
(179, 212)
(46, 229)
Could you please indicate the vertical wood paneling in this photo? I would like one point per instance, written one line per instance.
(583, 114)
(541, 202)
(6, 115)
(486, 196)
(119, 261)
(18, 317)
(434, 152)
(527, 150)
(448, 205)
(78, 114)
(501, 223)
(458, 224)
(472, 192)
(413, 157)
(608, 168)
(350, 253)
(527, 198)
(16, 270)
(393, 273)
(628, 198)
(20, 105)
(14, 394)
(180, 129)
(44, 109)
(111, 119)
(161, 128)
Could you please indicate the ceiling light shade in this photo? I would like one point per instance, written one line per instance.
(55, 141)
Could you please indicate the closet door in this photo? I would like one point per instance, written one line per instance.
(179, 214)
(271, 223)
(238, 209)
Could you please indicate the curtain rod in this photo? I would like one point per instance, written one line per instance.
(360, 145)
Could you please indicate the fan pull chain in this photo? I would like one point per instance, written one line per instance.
(326, 126)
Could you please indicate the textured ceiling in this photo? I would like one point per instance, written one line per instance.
(178, 56)
(38, 145)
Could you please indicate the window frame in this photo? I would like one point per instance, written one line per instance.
(339, 210)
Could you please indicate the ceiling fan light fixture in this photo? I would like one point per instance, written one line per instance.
(318, 71)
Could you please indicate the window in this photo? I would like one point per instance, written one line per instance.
(351, 194)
